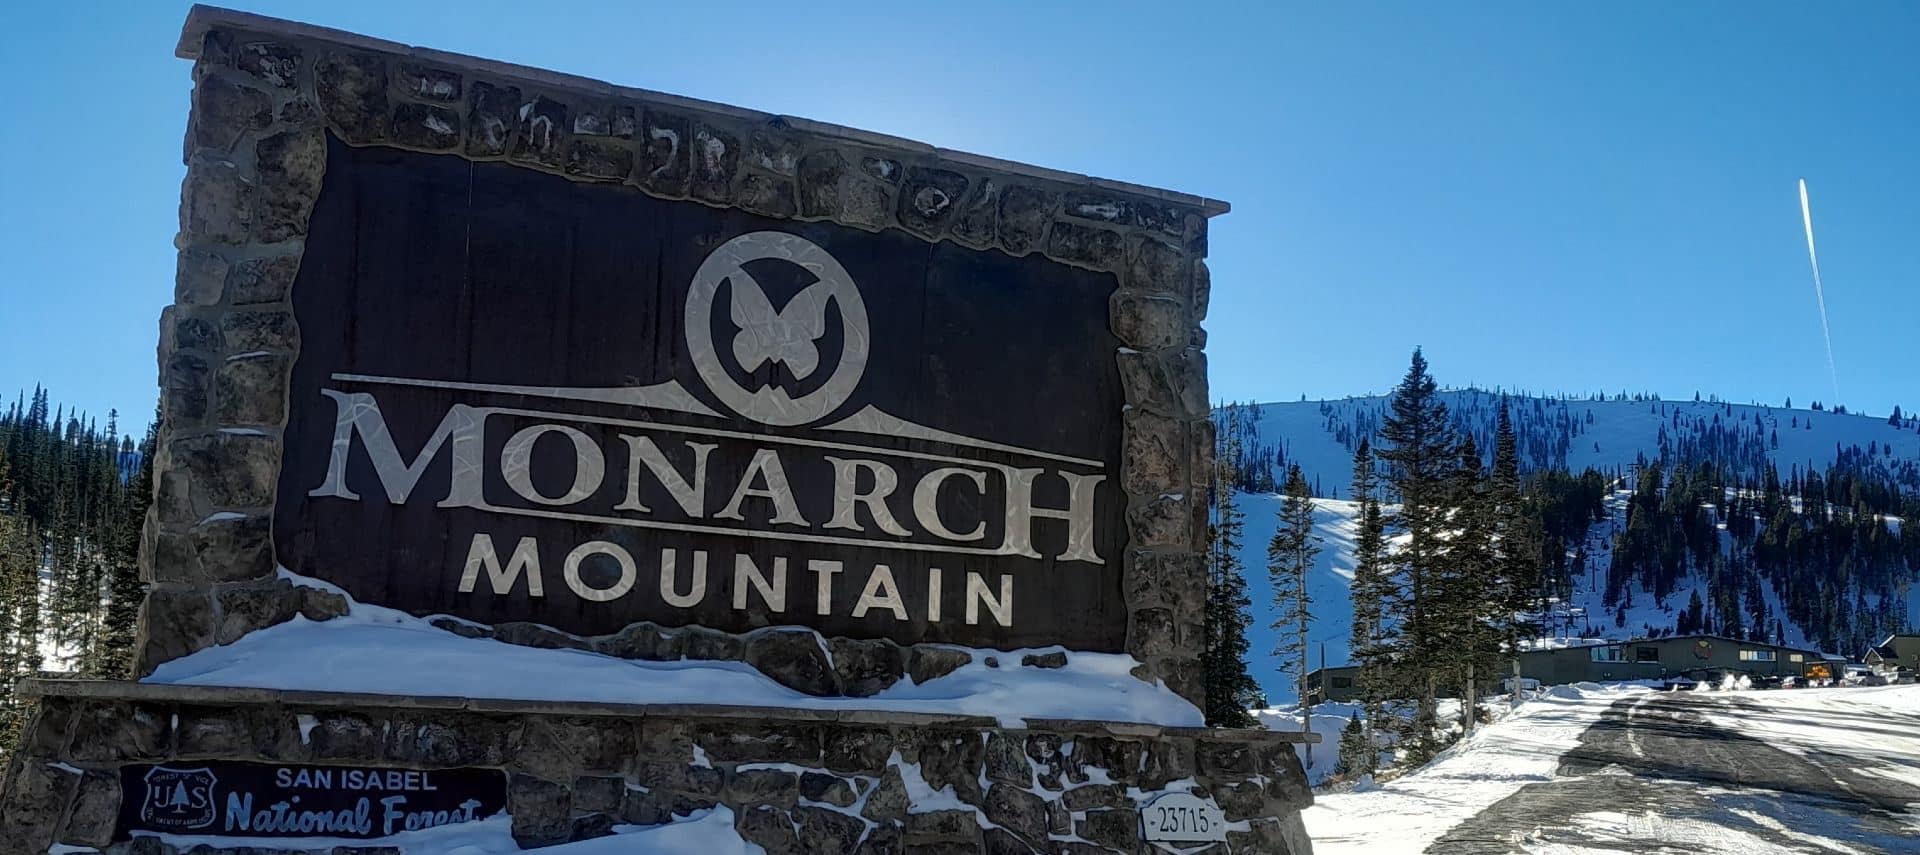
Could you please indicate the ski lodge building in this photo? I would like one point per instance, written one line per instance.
(1897, 655)
(1692, 656)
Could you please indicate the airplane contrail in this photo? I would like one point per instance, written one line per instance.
(1819, 292)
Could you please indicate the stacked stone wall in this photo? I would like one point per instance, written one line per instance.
(812, 782)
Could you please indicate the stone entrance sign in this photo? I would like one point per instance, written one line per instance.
(565, 364)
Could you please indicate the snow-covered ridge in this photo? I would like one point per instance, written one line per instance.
(1609, 435)
(383, 651)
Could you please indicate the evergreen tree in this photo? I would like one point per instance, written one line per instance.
(1290, 557)
(1371, 638)
(1230, 691)
(114, 654)
(1418, 448)
(1356, 750)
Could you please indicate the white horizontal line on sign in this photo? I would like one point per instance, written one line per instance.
(643, 396)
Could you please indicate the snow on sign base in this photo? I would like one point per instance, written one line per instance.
(1182, 818)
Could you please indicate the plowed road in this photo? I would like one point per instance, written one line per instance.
(1745, 773)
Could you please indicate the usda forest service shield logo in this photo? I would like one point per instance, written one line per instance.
(179, 798)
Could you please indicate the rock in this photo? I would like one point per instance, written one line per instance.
(716, 157)
(591, 826)
(339, 735)
(1230, 761)
(763, 786)
(862, 751)
(199, 277)
(1149, 322)
(883, 168)
(826, 832)
(1006, 763)
(223, 112)
(1241, 801)
(700, 642)
(930, 662)
(1155, 451)
(215, 203)
(1056, 659)
(1162, 520)
(428, 84)
(184, 388)
(96, 806)
(426, 126)
(866, 667)
(767, 195)
(929, 199)
(820, 176)
(1152, 634)
(542, 133)
(317, 604)
(1200, 291)
(251, 389)
(1114, 829)
(604, 161)
(234, 547)
(640, 641)
(952, 758)
(767, 827)
(120, 732)
(536, 635)
(491, 118)
(665, 165)
(1094, 796)
(1170, 383)
(1018, 811)
(975, 224)
(36, 797)
(174, 623)
(247, 331)
(1025, 213)
(353, 94)
(262, 280)
(211, 732)
(829, 789)
(1158, 268)
(793, 658)
(542, 811)
(881, 840)
(941, 826)
(760, 743)
(245, 609)
(1085, 245)
(600, 746)
(273, 63)
(888, 801)
(999, 841)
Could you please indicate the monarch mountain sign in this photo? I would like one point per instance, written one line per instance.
(521, 398)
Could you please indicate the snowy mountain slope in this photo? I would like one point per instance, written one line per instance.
(1606, 435)
(1611, 435)
(1336, 524)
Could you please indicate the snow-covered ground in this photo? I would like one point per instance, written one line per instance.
(1693, 773)
(1405, 814)
(333, 655)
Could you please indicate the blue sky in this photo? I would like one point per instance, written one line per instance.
(1544, 197)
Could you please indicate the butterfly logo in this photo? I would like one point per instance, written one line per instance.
(787, 336)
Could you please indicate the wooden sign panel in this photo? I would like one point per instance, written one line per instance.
(215, 798)
(520, 398)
